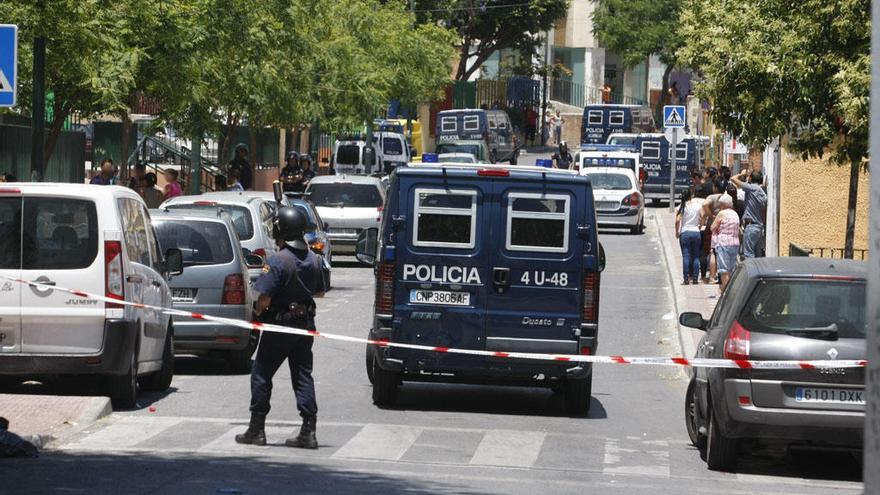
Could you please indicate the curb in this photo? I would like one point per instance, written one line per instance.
(685, 342)
(99, 407)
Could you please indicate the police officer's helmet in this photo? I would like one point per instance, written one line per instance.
(289, 226)
(563, 146)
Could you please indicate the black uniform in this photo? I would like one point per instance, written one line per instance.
(291, 278)
(292, 171)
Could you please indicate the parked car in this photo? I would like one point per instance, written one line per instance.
(476, 148)
(619, 201)
(781, 309)
(348, 204)
(251, 212)
(215, 283)
(316, 236)
(95, 239)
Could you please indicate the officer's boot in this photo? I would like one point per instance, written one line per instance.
(306, 438)
(256, 432)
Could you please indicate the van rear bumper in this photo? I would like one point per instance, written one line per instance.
(120, 337)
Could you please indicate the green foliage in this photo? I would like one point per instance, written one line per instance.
(637, 29)
(776, 67)
(484, 27)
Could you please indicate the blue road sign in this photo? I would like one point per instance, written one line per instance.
(8, 64)
(674, 117)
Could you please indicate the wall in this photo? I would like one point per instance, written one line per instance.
(813, 204)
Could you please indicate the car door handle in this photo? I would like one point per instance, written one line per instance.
(135, 279)
(501, 279)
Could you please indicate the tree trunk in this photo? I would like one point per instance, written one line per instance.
(658, 112)
(126, 143)
(462, 61)
(231, 126)
(59, 115)
(252, 144)
(851, 209)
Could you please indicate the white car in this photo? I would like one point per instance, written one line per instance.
(456, 158)
(348, 204)
(619, 203)
(96, 239)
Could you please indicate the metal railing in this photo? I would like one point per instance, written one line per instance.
(579, 95)
(824, 252)
(158, 154)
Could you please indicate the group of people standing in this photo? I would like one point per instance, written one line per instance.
(142, 182)
(721, 216)
(297, 172)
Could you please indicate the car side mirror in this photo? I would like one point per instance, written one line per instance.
(253, 260)
(367, 246)
(601, 258)
(692, 320)
(174, 262)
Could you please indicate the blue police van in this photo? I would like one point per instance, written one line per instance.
(602, 120)
(485, 257)
(655, 155)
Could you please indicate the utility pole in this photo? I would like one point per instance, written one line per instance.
(38, 106)
(540, 126)
(871, 469)
(673, 147)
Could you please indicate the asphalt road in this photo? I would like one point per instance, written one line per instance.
(439, 438)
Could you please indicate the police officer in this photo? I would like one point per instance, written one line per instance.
(291, 176)
(290, 281)
(562, 158)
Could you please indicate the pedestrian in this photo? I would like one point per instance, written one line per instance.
(738, 206)
(220, 182)
(531, 125)
(291, 176)
(674, 95)
(606, 93)
(136, 181)
(105, 176)
(725, 177)
(8, 178)
(562, 158)
(172, 188)
(291, 280)
(725, 239)
(308, 172)
(711, 207)
(705, 235)
(152, 195)
(558, 121)
(696, 179)
(240, 163)
(235, 177)
(754, 212)
(687, 231)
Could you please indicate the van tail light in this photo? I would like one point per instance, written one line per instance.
(233, 289)
(632, 200)
(736, 345)
(385, 288)
(260, 252)
(590, 312)
(493, 172)
(113, 276)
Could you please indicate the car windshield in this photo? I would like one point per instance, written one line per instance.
(241, 216)
(472, 149)
(202, 243)
(348, 154)
(614, 182)
(623, 140)
(345, 194)
(778, 306)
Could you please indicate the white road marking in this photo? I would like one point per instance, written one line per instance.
(509, 448)
(377, 441)
(125, 433)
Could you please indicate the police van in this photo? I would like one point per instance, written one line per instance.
(485, 257)
(655, 155)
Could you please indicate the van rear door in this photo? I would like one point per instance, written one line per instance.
(60, 246)
(10, 266)
(441, 271)
(536, 266)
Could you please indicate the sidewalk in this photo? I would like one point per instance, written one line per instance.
(700, 298)
(43, 418)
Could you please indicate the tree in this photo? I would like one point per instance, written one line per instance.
(637, 29)
(775, 68)
(485, 27)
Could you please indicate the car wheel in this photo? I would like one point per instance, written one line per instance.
(691, 420)
(371, 355)
(720, 450)
(124, 388)
(161, 380)
(578, 394)
(386, 385)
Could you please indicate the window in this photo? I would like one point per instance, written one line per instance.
(681, 152)
(339, 194)
(615, 118)
(58, 233)
(134, 230)
(392, 146)
(537, 222)
(445, 218)
(650, 150)
(240, 215)
(472, 122)
(614, 182)
(156, 255)
(202, 243)
(10, 233)
(448, 124)
(348, 154)
(594, 117)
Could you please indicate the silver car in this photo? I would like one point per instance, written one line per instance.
(781, 309)
(348, 204)
(619, 203)
(215, 282)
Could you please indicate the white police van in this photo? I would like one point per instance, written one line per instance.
(491, 258)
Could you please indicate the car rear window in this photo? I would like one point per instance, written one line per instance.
(537, 222)
(345, 194)
(348, 154)
(240, 215)
(777, 306)
(59, 233)
(392, 146)
(202, 243)
(473, 149)
(614, 182)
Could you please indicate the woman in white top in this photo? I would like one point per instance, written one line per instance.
(687, 230)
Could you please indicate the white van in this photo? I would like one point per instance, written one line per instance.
(392, 150)
(96, 239)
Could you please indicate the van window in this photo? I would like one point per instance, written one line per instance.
(10, 233)
(202, 243)
(651, 150)
(240, 215)
(348, 154)
(347, 194)
(594, 117)
(59, 233)
(445, 218)
(472, 122)
(681, 152)
(448, 124)
(134, 230)
(537, 222)
(392, 146)
(615, 118)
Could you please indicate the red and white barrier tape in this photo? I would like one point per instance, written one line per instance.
(574, 358)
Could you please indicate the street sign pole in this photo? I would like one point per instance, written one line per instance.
(674, 119)
(672, 169)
